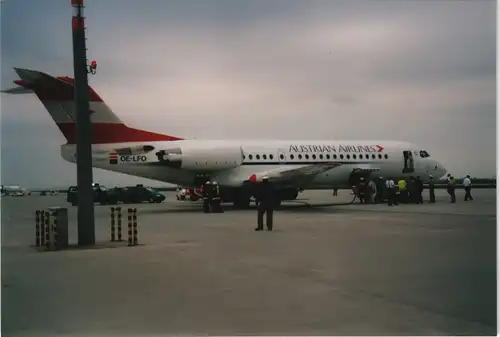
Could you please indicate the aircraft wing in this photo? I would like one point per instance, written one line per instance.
(295, 176)
(366, 168)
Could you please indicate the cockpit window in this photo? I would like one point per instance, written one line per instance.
(424, 154)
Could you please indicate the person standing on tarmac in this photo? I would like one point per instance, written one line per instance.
(267, 196)
(207, 196)
(391, 192)
(451, 188)
(412, 191)
(361, 190)
(419, 186)
(216, 207)
(380, 190)
(371, 191)
(432, 196)
(467, 186)
(403, 191)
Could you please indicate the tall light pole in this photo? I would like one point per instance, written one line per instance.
(86, 226)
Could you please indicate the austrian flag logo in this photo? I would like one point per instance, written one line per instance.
(113, 158)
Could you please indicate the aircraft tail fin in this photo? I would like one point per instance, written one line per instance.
(57, 95)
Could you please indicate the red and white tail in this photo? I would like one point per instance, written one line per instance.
(57, 95)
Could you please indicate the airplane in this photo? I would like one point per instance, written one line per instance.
(237, 165)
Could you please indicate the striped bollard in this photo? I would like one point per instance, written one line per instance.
(130, 243)
(134, 225)
(42, 228)
(37, 227)
(112, 224)
(47, 230)
(119, 210)
(55, 222)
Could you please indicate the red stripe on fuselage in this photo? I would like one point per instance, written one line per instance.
(55, 92)
(104, 133)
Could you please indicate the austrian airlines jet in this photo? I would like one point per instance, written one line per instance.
(292, 165)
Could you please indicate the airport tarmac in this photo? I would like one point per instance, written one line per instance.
(357, 269)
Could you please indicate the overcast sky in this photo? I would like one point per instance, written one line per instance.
(420, 71)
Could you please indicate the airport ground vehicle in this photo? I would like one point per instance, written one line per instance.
(188, 193)
(291, 165)
(138, 194)
(102, 195)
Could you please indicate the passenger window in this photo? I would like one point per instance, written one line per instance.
(327, 156)
(292, 156)
(257, 156)
(348, 157)
(281, 157)
(341, 156)
(379, 156)
(300, 156)
(353, 156)
(334, 156)
(320, 156)
(271, 156)
(386, 156)
(314, 156)
(307, 156)
(367, 156)
(250, 157)
(264, 156)
(373, 156)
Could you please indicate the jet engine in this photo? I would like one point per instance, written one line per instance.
(202, 159)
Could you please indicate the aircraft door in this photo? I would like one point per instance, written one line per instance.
(409, 163)
(281, 156)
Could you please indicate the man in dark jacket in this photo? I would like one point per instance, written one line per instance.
(267, 201)
(207, 196)
(380, 184)
(361, 189)
(432, 195)
(216, 202)
(419, 186)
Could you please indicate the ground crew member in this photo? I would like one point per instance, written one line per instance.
(267, 196)
(362, 190)
(207, 197)
(379, 198)
(411, 190)
(432, 196)
(451, 188)
(419, 186)
(216, 207)
(335, 191)
(403, 191)
(467, 185)
(391, 192)
(371, 191)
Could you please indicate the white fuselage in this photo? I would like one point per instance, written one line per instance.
(383, 158)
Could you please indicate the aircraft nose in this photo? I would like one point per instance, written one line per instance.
(440, 169)
(437, 169)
